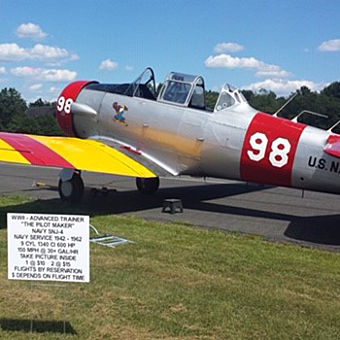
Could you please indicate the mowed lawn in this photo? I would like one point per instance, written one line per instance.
(176, 282)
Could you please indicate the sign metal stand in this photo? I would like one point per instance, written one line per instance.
(53, 285)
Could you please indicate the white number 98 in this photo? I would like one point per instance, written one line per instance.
(280, 149)
(258, 142)
(64, 104)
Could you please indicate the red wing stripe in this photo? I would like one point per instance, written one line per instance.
(35, 152)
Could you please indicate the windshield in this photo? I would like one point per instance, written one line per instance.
(144, 86)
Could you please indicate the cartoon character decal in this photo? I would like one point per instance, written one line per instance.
(120, 111)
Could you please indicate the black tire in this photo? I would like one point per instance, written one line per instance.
(71, 190)
(147, 186)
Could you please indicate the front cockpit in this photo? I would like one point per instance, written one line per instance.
(144, 86)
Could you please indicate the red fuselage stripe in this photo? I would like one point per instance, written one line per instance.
(269, 149)
(35, 152)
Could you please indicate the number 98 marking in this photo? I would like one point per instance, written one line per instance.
(280, 148)
(64, 104)
(258, 141)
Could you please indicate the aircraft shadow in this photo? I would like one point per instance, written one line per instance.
(321, 230)
(317, 229)
(41, 326)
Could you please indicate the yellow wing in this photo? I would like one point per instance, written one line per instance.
(73, 153)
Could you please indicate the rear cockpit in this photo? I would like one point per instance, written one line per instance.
(184, 90)
(189, 91)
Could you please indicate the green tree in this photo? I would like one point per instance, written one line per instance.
(38, 102)
(13, 117)
(211, 99)
(333, 90)
(11, 104)
(43, 125)
(41, 102)
(265, 101)
(248, 94)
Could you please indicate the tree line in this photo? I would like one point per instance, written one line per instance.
(14, 117)
(325, 102)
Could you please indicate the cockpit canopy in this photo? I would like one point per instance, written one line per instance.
(228, 97)
(178, 89)
(184, 90)
(188, 90)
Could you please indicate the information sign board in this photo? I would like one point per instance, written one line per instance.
(48, 247)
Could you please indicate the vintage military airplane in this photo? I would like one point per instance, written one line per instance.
(130, 130)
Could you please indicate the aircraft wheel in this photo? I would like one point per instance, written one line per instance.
(71, 190)
(147, 185)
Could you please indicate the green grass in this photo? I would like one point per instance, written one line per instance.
(180, 282)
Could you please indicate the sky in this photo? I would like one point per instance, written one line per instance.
(277, 45)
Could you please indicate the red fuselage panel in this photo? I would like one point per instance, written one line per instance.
(269, 149)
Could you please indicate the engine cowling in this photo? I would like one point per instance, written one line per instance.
(65, 100)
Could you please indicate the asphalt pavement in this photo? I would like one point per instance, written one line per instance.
(272, 213)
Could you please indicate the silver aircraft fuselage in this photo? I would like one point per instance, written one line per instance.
(235, 141)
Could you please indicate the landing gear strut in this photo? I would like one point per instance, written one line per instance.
(71, 186)
(147, 186)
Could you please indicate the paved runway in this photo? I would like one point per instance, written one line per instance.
(269, 212)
